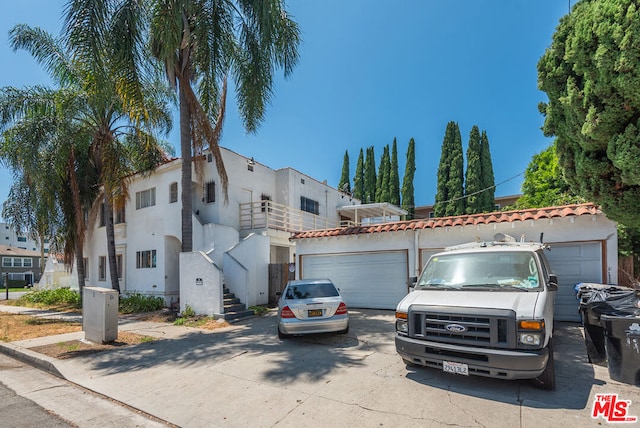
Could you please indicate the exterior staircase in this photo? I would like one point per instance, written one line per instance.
(233, 309)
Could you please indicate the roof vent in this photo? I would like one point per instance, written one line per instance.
(501, 237)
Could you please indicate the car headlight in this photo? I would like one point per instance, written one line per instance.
(530, 339)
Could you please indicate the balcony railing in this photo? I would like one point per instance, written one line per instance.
(270, 215)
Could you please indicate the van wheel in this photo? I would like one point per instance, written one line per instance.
(547, 379)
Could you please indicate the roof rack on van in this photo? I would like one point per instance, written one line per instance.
(499, 239)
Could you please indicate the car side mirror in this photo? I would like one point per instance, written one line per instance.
(278, 293)
(553, 282)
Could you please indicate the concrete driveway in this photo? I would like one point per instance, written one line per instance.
(245, 376)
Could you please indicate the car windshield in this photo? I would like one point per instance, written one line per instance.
(312, 290)
(486, 270)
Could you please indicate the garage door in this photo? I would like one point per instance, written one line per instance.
(573, 263)
(366, 280)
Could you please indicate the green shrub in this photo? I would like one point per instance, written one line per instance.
(136, 303)
(58, 296)
(259, 310)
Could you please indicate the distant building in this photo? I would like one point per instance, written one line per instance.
(500, 202)
(20, 266)
(9, 238)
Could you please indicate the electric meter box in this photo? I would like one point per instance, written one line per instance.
(100, 314)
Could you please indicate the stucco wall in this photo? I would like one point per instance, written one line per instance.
(201, 284)
(556, 230)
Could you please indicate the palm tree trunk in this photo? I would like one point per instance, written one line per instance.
(80, 266)
(79, 220)
(185, 153)
(111, 244)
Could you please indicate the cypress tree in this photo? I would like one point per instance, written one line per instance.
(382, 190)
(394, 177)
(370, 176)
(358, 180)
(450, 187)
(473, 177)
(488, 180)
(408, 203)
(345, 185)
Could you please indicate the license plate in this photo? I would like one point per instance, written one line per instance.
(315, 312)
(456, 368)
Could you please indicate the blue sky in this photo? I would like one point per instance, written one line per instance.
(373, 70)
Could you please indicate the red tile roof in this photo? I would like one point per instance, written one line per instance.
(464, 220)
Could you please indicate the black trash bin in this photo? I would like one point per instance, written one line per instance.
(596, 300)
(623, 347)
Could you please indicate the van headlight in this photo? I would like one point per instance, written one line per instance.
(531, 333)
(531, 339)
(402, 327)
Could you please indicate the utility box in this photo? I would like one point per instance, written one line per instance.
(100, 314)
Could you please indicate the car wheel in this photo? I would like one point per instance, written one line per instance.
(282, 335)
(547, 380)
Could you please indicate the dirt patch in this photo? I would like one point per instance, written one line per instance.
(20, 327)
(77, 348)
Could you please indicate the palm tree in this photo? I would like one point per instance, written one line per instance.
(37, 144)
(203, 42)
(118, 105)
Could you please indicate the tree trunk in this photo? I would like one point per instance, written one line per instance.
(185, 153)
(111, 244)
(79, 221)
(80, 267)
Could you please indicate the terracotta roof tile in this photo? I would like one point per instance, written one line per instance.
(474, 219)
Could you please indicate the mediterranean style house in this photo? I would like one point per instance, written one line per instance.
(234, 240)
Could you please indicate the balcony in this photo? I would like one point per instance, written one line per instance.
(270, 215)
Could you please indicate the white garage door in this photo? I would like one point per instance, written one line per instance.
(573, 263)
(366, 280)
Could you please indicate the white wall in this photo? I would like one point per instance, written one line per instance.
(566, 229)
(201, 281)
(246, 270)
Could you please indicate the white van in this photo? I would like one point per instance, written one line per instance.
(482, 309)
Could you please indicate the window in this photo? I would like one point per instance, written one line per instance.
(27, 263)
(209, 158)
(146, 198)
(119, 217)
(309, 205)
(119, 265)
(17, 262)
(432, 214)
(7, 261)
(173, 193)
(22, 239)
(210, 192)
(146, 259)
(85, 262)
(266, 202)
(102, 268)
(250, 167)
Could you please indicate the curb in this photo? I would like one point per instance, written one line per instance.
(31, 358)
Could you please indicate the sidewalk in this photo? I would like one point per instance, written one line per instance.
(72, 401)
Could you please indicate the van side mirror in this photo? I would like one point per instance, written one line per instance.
(412, 283)
(553, 282)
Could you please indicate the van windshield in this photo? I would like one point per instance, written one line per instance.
(484, 270)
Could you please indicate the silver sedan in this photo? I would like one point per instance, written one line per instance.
(311, 306)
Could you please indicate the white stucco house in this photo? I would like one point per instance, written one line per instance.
(234, 241)
(372, 264)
